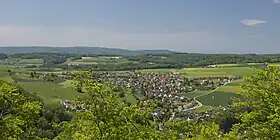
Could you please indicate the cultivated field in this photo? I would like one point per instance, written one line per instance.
(209, 72)
(99, 60)
(223, 95)
(50, 92)
(212, 72)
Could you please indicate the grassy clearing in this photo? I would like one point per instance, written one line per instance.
(49, 92)
(231, 89)
(67, 84)
(223, 95)
(204, 108)
(4, 76)
(236, 83)
(3, 73)
(130, 98)
(217, 98)
(208, 72)
(158, 70)
(30, 61)
(195, 93)
(274, 64)
(240, 65)
(227, 71)
(8, 79)
(228, 65)
(100, 60)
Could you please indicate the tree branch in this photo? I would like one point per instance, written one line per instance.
(132, 124)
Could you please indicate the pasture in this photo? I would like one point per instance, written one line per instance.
(4, 76)
(241, 65)
(222, 96)
(49, 92)
(22, 62)
(208, 72)
(30, 61)
(99, 60)
(212, 72)
(195, 93)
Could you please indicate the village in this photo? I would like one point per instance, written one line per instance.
(168, 89)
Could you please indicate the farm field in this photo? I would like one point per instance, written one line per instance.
(99, 60)
(241, 65)
(195, 93)
(204, 108)
(30, 61)
(223, 95)
(49, 92)
(4, 76)
(20, 62)
(208, 72)
(212, 72)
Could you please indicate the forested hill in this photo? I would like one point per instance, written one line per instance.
(81, 50)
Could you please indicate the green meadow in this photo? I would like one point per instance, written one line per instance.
(209, 72)
(222, 96)
(99, 60)
(50, 92)
(212, 72)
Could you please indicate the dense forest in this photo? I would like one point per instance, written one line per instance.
(100, 115)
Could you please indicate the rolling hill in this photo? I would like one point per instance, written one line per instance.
(81, 50)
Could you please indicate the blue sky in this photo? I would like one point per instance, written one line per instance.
(206, 26)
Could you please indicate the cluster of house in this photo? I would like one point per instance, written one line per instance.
(67, 104)
(211, 66)
(166, 88)
(160, 86)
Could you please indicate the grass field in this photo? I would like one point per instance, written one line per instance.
(223, 95)
(100, 60)
(49, 92)
(4, 76)
(67, 84)
(195, 93)
(208, 72)
(18, 62)
(30, 61)
(240, 65)
(8, 79)
(226, 71)
(204, 108)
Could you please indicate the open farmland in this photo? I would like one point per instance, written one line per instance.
(30, 61)
(99, 60)
(4, 76)
(19, 62)
(212, 72)
(241, 65)
(208, 72)
(49, 92)
(196, 93)
(223, 95)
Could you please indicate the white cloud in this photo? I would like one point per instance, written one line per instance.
(252, 22)
(94, 36)
(276, 1)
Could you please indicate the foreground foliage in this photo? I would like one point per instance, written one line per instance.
(262, 117)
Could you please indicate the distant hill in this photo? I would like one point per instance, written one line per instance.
(81, 50)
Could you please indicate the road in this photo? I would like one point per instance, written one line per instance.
(199, 103)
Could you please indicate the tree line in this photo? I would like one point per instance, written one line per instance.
(146, 61)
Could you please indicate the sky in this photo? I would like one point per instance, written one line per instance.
(203, 26)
